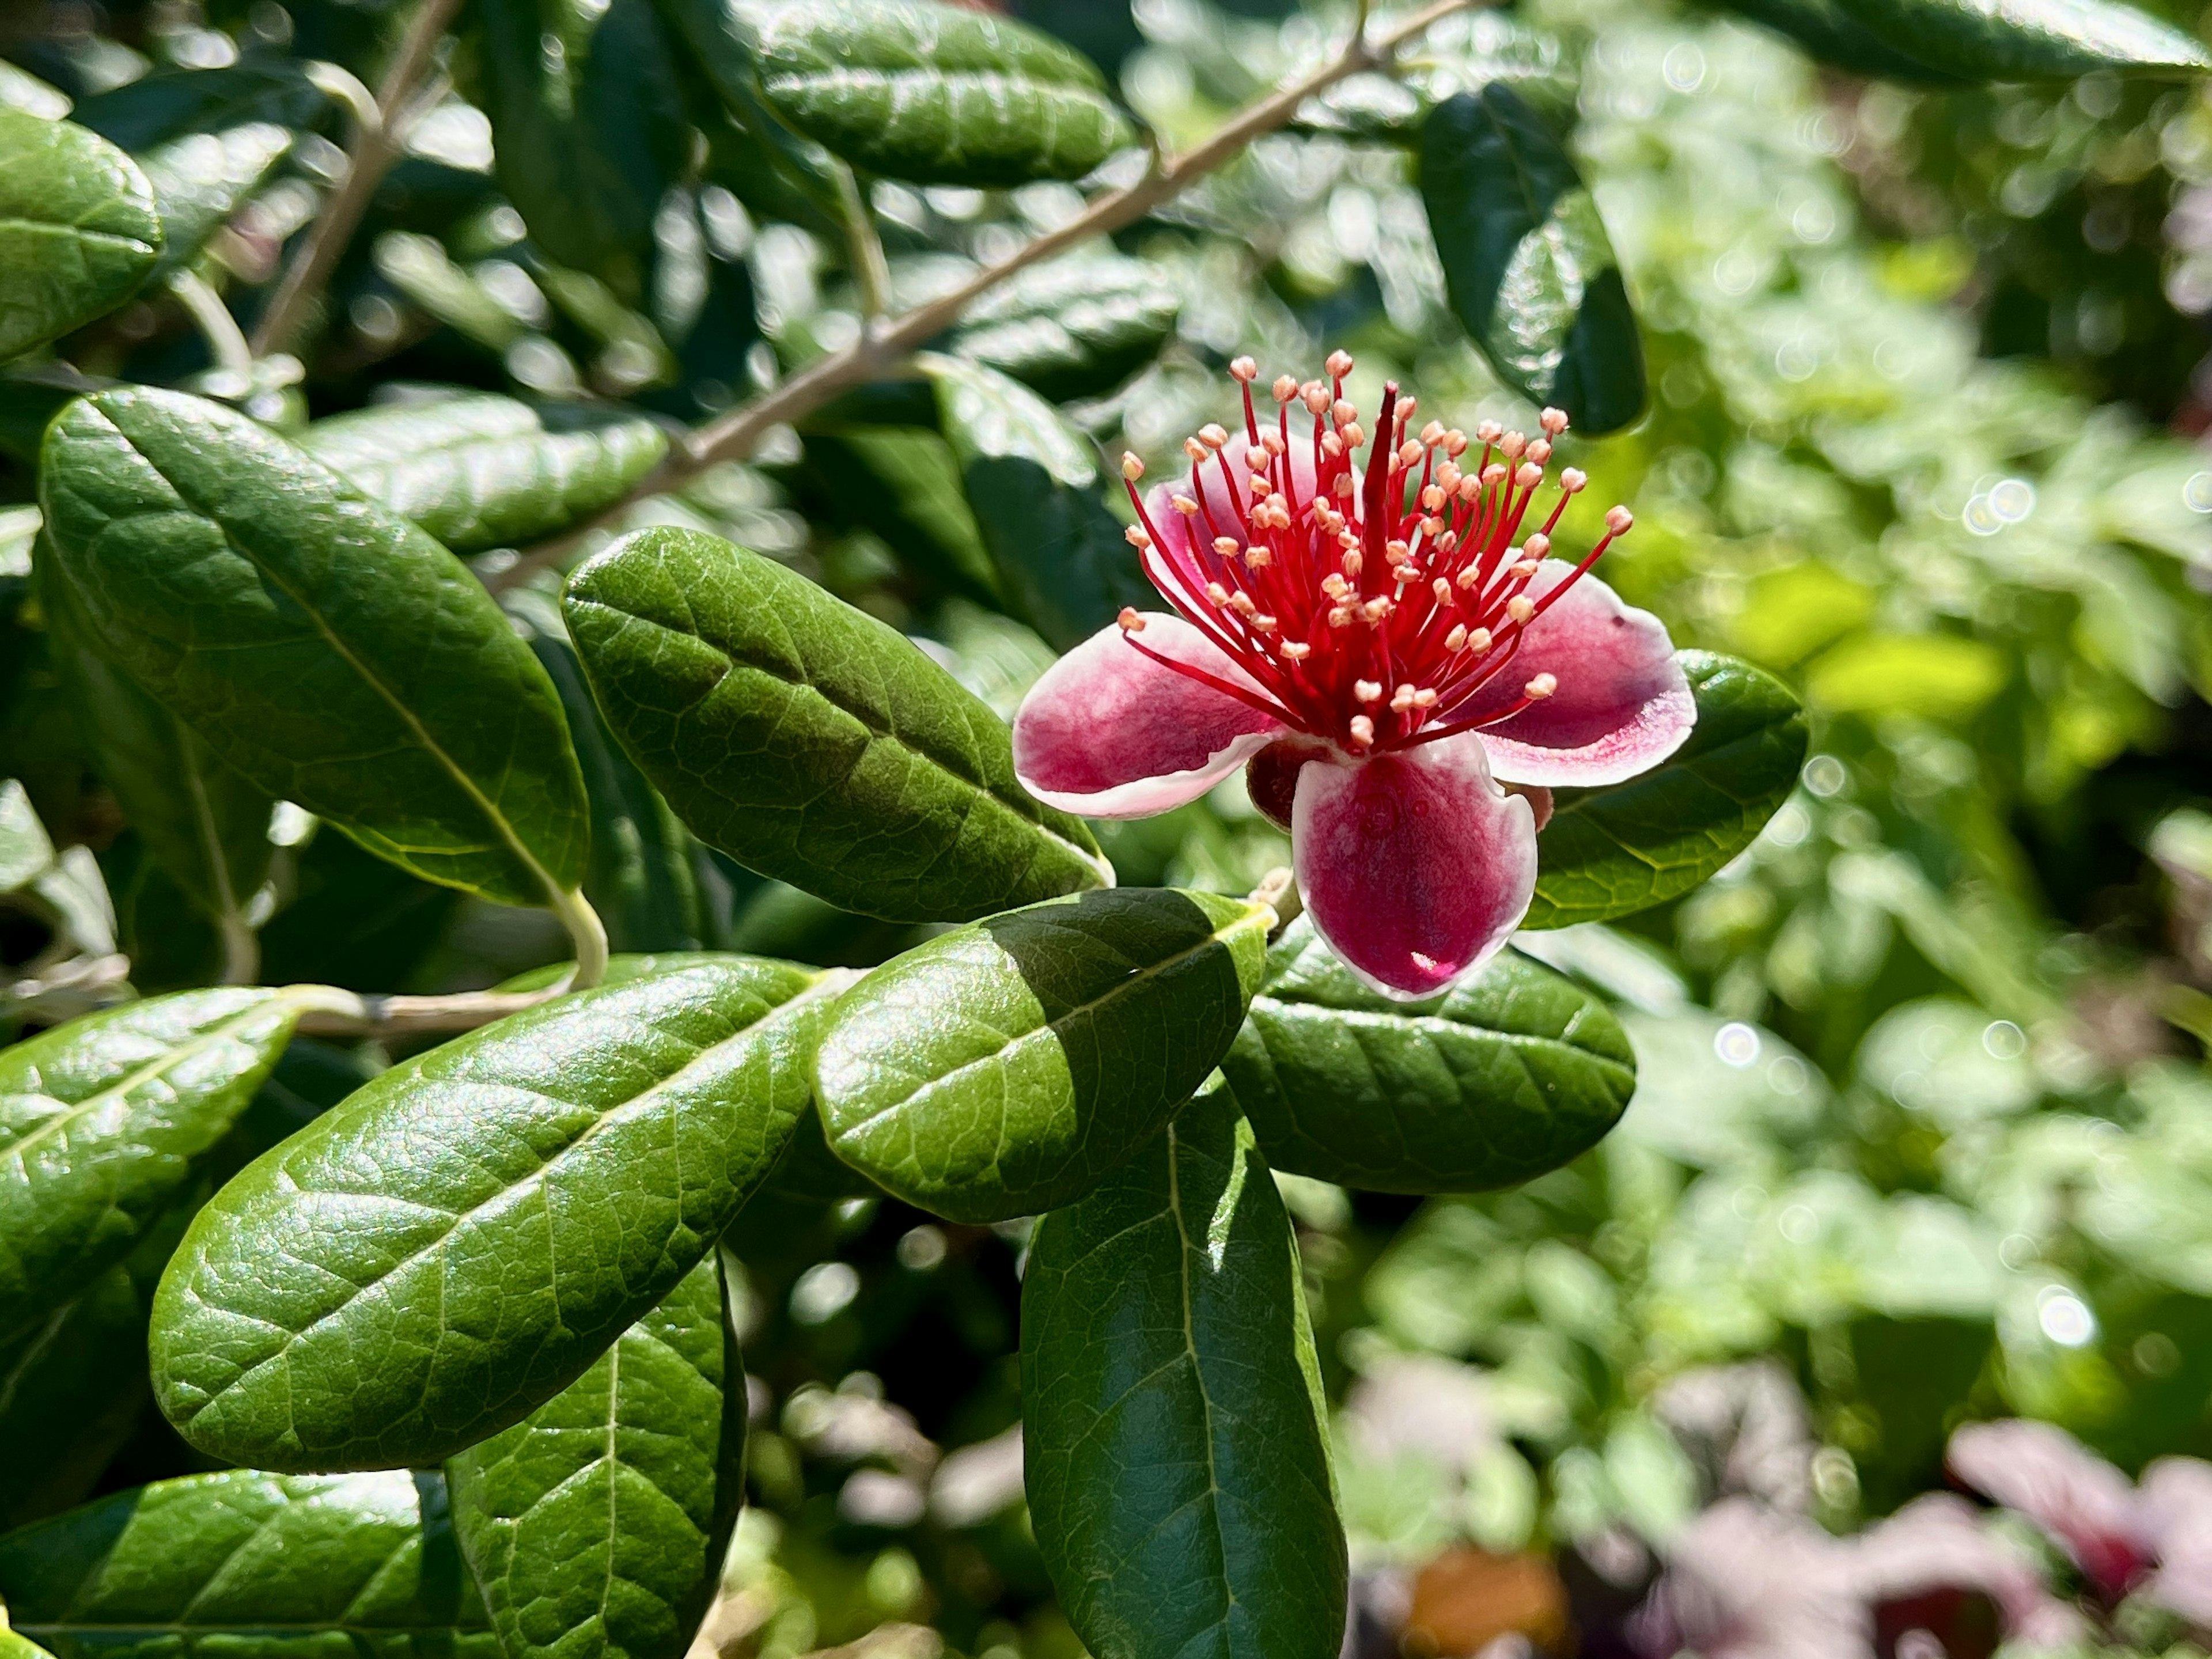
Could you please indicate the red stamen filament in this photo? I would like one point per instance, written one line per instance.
(1329, 584)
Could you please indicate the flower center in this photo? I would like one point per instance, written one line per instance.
(1374, 610)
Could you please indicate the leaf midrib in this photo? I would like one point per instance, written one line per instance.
(1051, 1027)
(731, 661)
(198, 1043)
(827, 983)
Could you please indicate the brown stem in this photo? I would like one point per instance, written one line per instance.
(375, 148)
(732, 436)
(383, 1018)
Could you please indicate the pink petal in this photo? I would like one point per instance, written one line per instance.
(2176, 1513)
(1189, 541)
(2084, 1503)
(1414, 865)
(1110, 733)
(1912, 1565)
(1623, 704)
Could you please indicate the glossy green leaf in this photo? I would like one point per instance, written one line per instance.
(78, 230)
(587, 126)
(1172, 1419)
(1529, 268)
(811, 742)
(250, 1565)
(646, 876)
(1006, 1067)
(436, 1258)
(199, 181)
(1830, 33)
(1611, 852)
(477, 470)
(1034, 485)
(596, 1526)
(25, 848)
(320, 645)
(157, 109)
(1459, 54)
(920, 90)
(1512, 1072)
(1075, 327)
(206, 826)
(103, 1122)
(2028, 39)
(13, 1644)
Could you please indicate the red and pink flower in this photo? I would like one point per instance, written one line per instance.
(1382, 652)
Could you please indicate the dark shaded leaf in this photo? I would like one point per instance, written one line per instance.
(1513, 1073)
(647, 872)
(597, 1525)
(1609, 853)
(78, 230)
(323, 646)
(428, 1263)
(250, 1565)
(587, 126)
(1062, 559)
(2028, 39)
(1176, 1456)
(206, 826)
(811, 742)
(157, 109)
(1006, 1067)
(1526, 262)
(1830, 34)
(477, 470)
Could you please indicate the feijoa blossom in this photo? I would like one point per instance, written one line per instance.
(1384, 645)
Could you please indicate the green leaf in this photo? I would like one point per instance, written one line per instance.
(157, 109)
(811, 742)
(477, 470)
(1177, 1465)
(902, 484)
(103, 1122)
(597, 1525)
(1006, 1067)
(2028, 39)
(645, 877)
(15, 1645)
(320, 645)
(750, 152)
(205, 825)
(917, 90)
(1033, 483)
(78, 230)
(1459, 54)
(73, 1386)
(1830, 34)
(199, 181)
(1511, 1074)
(1609, 853)
(1526, 262)
(25, 849)
(1074, 328)
(354, 920)
(251, 1566)
(429, 1262)
(587, 126)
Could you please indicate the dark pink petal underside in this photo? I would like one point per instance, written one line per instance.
(1622, 705)
(1111, 733)
(1414, 866)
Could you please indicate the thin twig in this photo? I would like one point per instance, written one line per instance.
(353, 1017)
(731, 436)
(375, 147)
